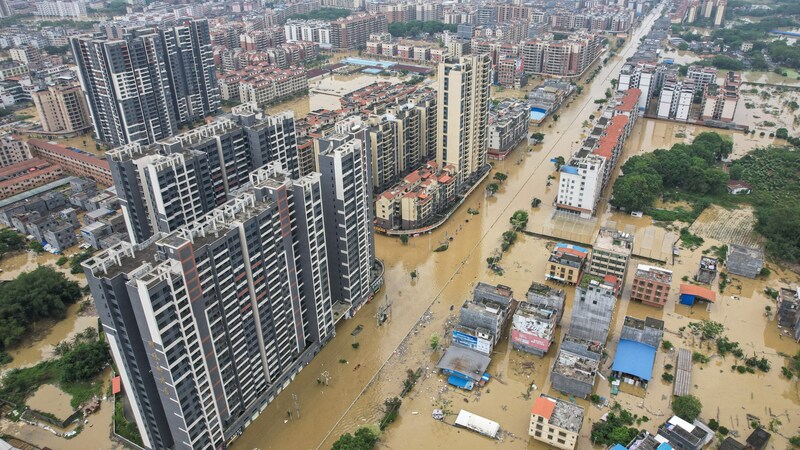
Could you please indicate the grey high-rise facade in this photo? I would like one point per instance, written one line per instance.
(176, 180)
(142, 87)
(210, 322)
(344, 166)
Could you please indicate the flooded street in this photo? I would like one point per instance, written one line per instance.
(377, 368)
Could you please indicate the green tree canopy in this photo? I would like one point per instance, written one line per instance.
(687, 407)
(636, 192)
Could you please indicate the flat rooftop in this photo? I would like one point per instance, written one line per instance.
(653, 273)
(614, 241)
(464, 361)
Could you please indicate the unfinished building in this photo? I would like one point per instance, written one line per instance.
(789, 312)
(648, 331)
(549, 297)
(533, 328)
(593, 309)
(707, 271)
(745, 261)
(576, 366)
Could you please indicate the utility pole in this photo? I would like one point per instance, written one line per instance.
(383, 310)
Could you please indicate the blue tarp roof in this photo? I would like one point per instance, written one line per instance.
(664, 446)
(619, 447)
(634, 358)
(569, 169)
(460, 382)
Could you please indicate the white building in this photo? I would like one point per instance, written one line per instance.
(60, 8)
(580, 184)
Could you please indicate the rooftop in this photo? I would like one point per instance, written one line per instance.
(576, 367)
(464, 361)
(614, 241)
(565, 415)
(653, 273)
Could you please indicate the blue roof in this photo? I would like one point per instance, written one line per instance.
(619, 447)
(459, 382)
(664, 446)
(569, 169)
(576, 247)
(634, 358)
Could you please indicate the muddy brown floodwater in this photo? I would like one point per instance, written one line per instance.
(422, 307)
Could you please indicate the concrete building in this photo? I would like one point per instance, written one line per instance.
(209, 323)
(415, 202)
(676, 99)
(482, 320)
(549, 297)
(719, 102)
(744, 261)
(508, 126)
(533, 328)
(683, 435)
(62, 108)
(74, 162)
(346, 195)
(555, 422)
(10, 68)
(580, 184)
(142, 87)
(788, 314)
(12, 150)
(646, 76)
(576, 366)
(28, 55)
(636, 350)
(175, 181)
(592, 309)
(59, 8)
(707, 271)
(463, 116)
(352, 32)
(26, 175)
(565, 263)
(610, 254)
(566, 58)
(651, 285)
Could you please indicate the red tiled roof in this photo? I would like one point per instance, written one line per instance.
(543, 407)
(64, 151)
(698, 291)
(629, 100)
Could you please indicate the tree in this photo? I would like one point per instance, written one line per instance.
(85, 361)
(434, 341)
(10, 241)
(500, 176)
(559, 161)
(538, 137)
(364, 439)
(36, 247)
(636, 192)
(687, 407)
(536, 202)
(404, 239)
(555, 117)
(492, 188)
(519, 220)
(40, 294)
(683, 46)
(782, 133)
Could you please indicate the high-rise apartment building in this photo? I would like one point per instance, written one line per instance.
(209, 323)
(401, 140)
(569, 57)
(62, 108)
(142, 87)
(352, 32)
(463, 115)
(173, 182)
(343, 164)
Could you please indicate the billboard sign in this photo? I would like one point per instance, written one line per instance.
(473, 342)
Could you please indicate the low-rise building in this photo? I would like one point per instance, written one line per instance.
(482, 319)
(533, 328)
(610, 255)
(508, 126)
(788, 314)
(651, 285)
(548, 297)
(576, 366)
(417, 199)
(745, 261)
(26, 175)
(683, 435)
(556, 422)
(12, 150)
(565, 263)
(74, 162)
(707, 271)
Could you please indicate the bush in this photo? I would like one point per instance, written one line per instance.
(364, 439)
(700, 358)
(713, 424)
(723, 431)
(667, 345)
(668, 377)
